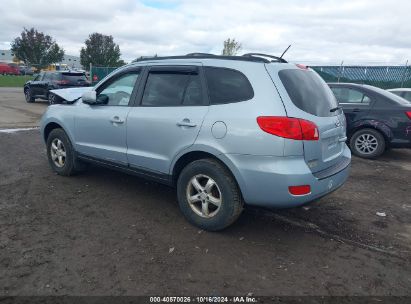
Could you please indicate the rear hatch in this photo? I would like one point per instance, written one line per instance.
(305, 95)
(72, 79)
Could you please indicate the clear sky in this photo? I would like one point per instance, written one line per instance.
(320, 31)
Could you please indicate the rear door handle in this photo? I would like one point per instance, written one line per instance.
(116, 120)
(356, 110)
(186, 123)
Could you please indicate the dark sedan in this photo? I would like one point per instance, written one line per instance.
(376, 119)
(41, 85)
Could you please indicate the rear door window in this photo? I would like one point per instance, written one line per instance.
(167, 88)
(346, 95)
(227, 85)
(309, 92)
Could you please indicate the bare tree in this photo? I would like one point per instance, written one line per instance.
(231, 47)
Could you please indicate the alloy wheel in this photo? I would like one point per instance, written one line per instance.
(58, 152)
(27, 95)
(204, 196)
(366, 143)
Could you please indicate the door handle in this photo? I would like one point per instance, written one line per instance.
(117, 120)
(186, 123)
(343, 139)
(356, 110)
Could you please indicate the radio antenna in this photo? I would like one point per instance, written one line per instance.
(285, 51)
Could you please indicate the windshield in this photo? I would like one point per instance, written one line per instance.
(309, 92)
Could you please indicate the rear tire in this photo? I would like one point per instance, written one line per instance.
(61, 155)
(28, 95)
(367, 143)
(208, 195)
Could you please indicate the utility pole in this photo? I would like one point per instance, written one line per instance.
(403, 74)
(339, 74)
(91, 70)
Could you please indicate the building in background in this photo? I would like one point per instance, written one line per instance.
(68, 62)
(6, 56)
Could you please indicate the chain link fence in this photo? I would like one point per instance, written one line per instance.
(385, 77)
(98, 73)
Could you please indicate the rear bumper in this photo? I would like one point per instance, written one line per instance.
(265, 179)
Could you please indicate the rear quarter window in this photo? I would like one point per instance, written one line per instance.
(227, 85)
(308, 91)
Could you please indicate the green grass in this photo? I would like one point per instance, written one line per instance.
(13, 81)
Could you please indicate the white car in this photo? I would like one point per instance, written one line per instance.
(402, 92)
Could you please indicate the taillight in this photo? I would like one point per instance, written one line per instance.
(287, 127)
(408, 114)
(62, 81)
(299, 190)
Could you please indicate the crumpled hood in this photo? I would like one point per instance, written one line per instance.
(71, 94)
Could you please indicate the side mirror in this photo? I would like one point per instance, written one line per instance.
(89, 98)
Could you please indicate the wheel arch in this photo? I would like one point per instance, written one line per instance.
(373, 124)
(55, 124)
(50, 127)
(191, 155)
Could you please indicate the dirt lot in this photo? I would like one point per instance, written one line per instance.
(106, 233)
(15, 112)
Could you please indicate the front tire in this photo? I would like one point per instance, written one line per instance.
(367, 143)
(208, 195)
(60, 153)
(28, 95)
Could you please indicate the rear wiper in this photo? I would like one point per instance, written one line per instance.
(335, 109)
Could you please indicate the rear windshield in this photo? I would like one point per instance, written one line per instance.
(391, 96)
(309, 92)
(74, 77)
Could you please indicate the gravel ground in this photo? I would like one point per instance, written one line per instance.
(106, 233)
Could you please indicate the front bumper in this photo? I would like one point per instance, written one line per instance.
(264, 180)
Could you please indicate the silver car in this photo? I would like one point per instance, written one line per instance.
(224, 130)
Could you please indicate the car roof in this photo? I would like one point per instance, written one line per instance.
(360, 85)
(64, 71)
(400, 90)
(374, 90)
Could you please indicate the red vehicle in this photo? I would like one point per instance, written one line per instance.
(7, 69)
(14, 69)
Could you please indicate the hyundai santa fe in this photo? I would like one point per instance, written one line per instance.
(224, 130)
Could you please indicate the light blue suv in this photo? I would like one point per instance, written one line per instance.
(224, 130)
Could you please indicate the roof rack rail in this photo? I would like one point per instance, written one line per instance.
(279, 59)
(206, 56)
(200, 54)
